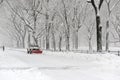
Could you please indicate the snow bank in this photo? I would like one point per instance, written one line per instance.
(30, 74)
(11, 68)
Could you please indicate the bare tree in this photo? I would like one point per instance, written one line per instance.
(116, 25)
(29, 15)
(53, 30)
(90, 32)
(19, 28)
(47, 25)
(65, 15)
(61, 35)
(110, 9)
(78, 20)
(14, 35)
(98, 22)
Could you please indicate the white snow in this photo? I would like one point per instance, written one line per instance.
(16, 64)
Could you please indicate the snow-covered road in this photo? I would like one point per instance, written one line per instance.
(17, 65)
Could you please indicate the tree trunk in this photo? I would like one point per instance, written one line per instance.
(17, 43)
(35, 21)
(76, 40)
(53, 39)
(23, 42)
(47, 32)
(40, 43)
(60, 42)
(67, 43)
(68, 38)
(99, 34)
(98, 26)
(44, 43)
(28, 42)
(47, 42)
(90, 46)
(35, 40)
(107, 36)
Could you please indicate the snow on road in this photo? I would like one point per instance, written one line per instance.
(17, 65)
(12, 68)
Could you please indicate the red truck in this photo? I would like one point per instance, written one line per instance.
(34, 49)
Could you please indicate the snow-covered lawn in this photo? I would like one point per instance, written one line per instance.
(16, 64)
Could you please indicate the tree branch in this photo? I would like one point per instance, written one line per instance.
(93, 3)
(114, 5)
(101, 1)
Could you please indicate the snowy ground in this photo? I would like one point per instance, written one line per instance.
(15, 64)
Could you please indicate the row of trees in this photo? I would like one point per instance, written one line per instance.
(54, 24)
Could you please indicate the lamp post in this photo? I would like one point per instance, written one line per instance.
(97, 7)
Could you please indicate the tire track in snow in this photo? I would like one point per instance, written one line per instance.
(40, 68)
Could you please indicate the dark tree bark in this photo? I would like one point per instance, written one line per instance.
(76, 40)
(67, 27)
(28, 39)
(107, 36)
(99, 34)
(98, 24)
(90, 45)
(53, 32)
(47, 32)
(60, 42)
(54, 44)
